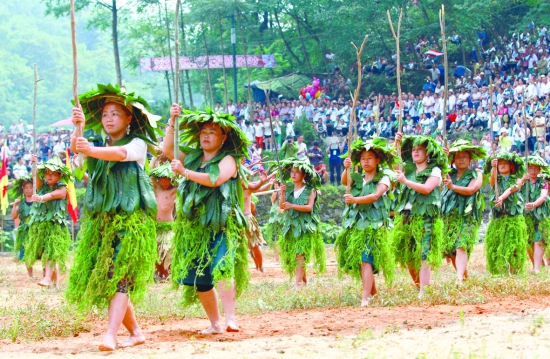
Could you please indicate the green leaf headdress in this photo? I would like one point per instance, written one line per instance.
(312, 179)
(377, 145)
(56, 165)
(144, 123)
(537, 161)
(165, 171)
(476, 152)
(517, 163)
(191, 122)
(433, 150)
(17, 190)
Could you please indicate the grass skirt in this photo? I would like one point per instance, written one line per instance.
(540, 234)
(506, 245)
(165, 237)
(254, 233)
(416, 236)
(21, 236)
(50, 242)
(459, 232)
(112, 248)
(310, 245)
(352, 243)
(192, 244)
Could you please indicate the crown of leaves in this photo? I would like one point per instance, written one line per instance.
(55, 164)
(377, 145)
(17, 190)
(476, 152)
(312, 179)
(433, 150)
(165, 171)
(518, 163)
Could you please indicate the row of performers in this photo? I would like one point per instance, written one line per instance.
(117, 250)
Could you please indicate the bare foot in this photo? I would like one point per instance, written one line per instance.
(45, 282)
(365, 302)
(231, 326)
(108, 345)
(213, 329)
(133, 340)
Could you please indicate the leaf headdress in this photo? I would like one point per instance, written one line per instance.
(377, 145)
(433, 150)
(476, 152)
(517, 163)
(56, 165)
(191, 122)
(17, 190)
(312, 179)
(144, 123)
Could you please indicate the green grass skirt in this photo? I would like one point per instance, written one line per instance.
(112, 248)
(412, 239)
(49, 241)
(542, 235)
(21, 236)
(272, 234)
(350, 245)
(506, 245)
(459, 232)
(192, 243)
(310, 245)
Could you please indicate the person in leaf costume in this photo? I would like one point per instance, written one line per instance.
(506, 236)
(49, 238)
(210, 245)
(165, 184)
(273, 228)
(537, 215)
(462, 204)
(22, 192)
(418, 229)
(363, 247)
(301, 239)
(116, 255)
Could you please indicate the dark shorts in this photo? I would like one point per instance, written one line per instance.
(267, 136)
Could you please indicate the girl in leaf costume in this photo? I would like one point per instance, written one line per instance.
(462, 204)
(506, 237)
(49, 237)
(165, 185)
(274, 225)
(116, 255)
(210, 246)
(418, 229)
(363, 247)
(301, 239)
(537, 216)
(22, 192)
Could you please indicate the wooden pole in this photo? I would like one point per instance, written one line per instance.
(36, 81)
(398, 72)
(526, 141)
(267, 94)
(80, 127)
(446, 69)
(378, 116)
(176, 80)
(223, 61)
(492, 135)
(353, 115)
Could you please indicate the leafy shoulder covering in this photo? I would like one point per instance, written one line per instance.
(54, 210)
(514, 204)
(422, 204)
(190, 124)
(300, 222)
(452, 201)
(541, 212)
(143, 125)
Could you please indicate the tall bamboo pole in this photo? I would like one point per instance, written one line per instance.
(223, 61)
(355, 98)
(378, 116)
(491, 89)
(80, 127)
(446, 69)
(36, 80)
(526, 141)
(398, 72)
(176, 79)
(207, 67)
(268, 102)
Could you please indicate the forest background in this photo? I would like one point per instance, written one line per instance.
(299, 33)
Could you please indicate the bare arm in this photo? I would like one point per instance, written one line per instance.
(371, 198)
(473, 186)
(168, 144)
(422, 188)
(228, 169)
(15, 210)
(303, 208)
(59, 193)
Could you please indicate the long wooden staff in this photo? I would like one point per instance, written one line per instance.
(491, 88)
(80, 127)
(526, 141)
(446, 69)
(398, 72)
(176, 80)
(353, 115)
(267, 94)
(36, 80)
(378, 116)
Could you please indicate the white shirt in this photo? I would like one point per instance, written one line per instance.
(302, 147)
(258, 130)
(385, 180)
(136, 150)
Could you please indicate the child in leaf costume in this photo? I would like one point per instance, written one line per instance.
(301, 239)
(363, 247)
(116, 255)
(210, 245)
(506, 237)
(22, 192)
(49, 237)
(418, 229)
(165, 184)
(273, 227)
(462, 204)
(537, 215)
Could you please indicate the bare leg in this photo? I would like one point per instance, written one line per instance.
(276, 255)
(129, 321)
(414, 275)
(538, 254)
(209, 301)
(47, 280)
(228, 298)
(453, 260)
(29, 271)
(117, 311)
(530, 253)
(367, 277)
(258, 258)
(425, 274)
(461, 263)
(300, 272)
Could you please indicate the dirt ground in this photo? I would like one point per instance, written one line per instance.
(505, 328)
